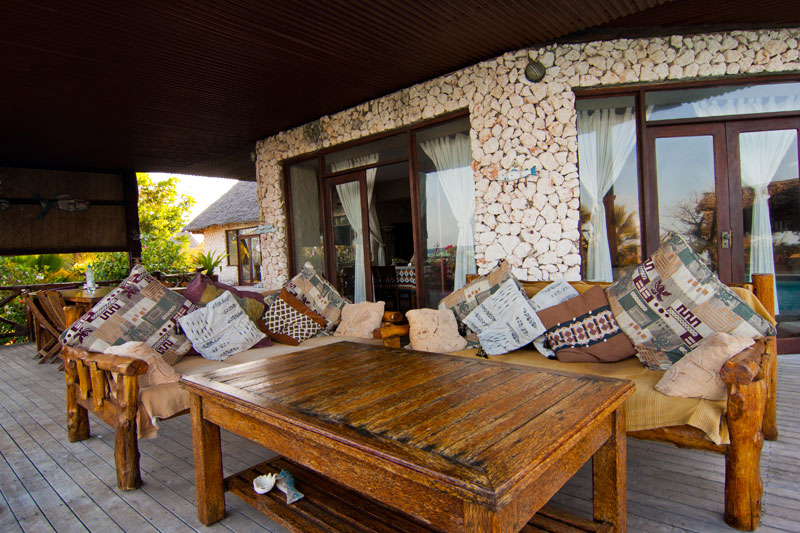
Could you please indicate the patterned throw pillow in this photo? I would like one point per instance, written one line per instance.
(672, 301)
(290, 321)
(203, 289)
(583, 330)
(505, 320)
(314, 291)
(221, 328)
(140, 309)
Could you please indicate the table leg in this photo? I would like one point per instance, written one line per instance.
(479, 519)
(207, 466)
(609, 479)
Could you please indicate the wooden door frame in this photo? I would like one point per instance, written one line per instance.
(721, 184)
(327, 223)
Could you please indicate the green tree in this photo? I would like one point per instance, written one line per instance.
(163, 212)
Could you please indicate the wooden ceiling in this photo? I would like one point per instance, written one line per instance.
(189, 86)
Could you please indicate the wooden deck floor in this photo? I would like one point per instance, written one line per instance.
(49, 484)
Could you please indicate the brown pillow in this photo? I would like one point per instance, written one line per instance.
(696, 374)
(583, 330)
(290, 321)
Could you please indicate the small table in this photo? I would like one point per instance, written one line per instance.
(83, 300)
(383, 435)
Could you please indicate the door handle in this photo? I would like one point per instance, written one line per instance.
(725, 239)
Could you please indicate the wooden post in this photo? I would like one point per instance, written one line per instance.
(207, 465)
(126, 448)
(479, 519)
(743, 487)
(77, 416)
(609, 481)
(132, 232)
(764, 289)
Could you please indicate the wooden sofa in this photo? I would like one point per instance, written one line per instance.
(90, 377)
(750, 410)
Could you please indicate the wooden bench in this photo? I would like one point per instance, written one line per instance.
(88, 374)
(751, 379)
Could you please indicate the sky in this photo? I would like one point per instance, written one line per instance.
(204, 190)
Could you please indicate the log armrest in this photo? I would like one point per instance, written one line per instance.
(745, 366)
(392, 330)
(89, 377)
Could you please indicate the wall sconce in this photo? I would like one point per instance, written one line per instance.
(534, 71)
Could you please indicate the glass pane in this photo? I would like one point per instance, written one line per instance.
(610, 222)
(233, 257)
(447, 208)
(687, 202)
(365, 154)
(392, 236)
(719, 101)
(245, 259)
(771, 211)
(306, 219)
(348, 240)
(255, 244)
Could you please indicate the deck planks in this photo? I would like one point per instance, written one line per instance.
(49, 484)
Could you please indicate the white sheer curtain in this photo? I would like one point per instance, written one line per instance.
(453, 161)
(760, 155)
(350, 195)
(605, 141)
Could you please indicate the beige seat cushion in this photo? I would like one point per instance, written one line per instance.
(163, 401)
(432, 330)
(647, 408)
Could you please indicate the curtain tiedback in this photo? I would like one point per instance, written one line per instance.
(606, 139)
(452, 159)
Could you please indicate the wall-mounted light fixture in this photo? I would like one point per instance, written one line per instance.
(534, 71)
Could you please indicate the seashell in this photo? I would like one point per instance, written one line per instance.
(263, 484)
(285, 484)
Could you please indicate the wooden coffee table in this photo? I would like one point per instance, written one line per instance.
(379, 436)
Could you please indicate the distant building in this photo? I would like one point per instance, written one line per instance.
(228, 227)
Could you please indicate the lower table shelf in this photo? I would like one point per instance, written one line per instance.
(328, 506)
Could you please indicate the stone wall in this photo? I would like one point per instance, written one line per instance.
(516, 123)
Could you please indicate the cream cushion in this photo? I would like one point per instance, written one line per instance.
(158, 370)
(696, 375)
(434, 330)
(360, 320)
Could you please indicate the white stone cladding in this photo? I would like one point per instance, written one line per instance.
(214, 241)
(516, 123)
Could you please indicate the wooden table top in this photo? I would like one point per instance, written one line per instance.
(81, 295)
(478, 426)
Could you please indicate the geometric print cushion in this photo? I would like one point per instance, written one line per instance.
(290, 321)
(672, 301)
(583, 329)
(140, 309)
(319, 295)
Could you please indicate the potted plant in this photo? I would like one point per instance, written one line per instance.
(208, 262)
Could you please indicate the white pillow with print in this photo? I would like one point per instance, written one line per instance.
(505, 320)
(221, 328)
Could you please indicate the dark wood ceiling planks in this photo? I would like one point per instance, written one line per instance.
(190, 86)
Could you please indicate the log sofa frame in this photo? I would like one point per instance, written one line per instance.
(751, 379)
(87, 375)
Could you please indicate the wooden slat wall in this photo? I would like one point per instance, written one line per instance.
(99, 228)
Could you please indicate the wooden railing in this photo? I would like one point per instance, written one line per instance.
(10, 292)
